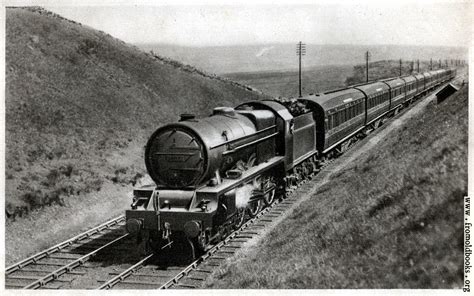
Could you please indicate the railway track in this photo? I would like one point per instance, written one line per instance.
(52, 268)
(143, 275)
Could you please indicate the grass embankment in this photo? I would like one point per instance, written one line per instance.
(285, 83)
(392, 219)
(80, 105)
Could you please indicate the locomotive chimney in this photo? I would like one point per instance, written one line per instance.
(226, 111)
(186, 116)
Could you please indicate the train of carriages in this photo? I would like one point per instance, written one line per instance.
(212, 173)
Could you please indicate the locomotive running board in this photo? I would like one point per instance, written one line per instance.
(229, 184)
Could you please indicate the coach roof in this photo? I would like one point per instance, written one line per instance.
(335, 99)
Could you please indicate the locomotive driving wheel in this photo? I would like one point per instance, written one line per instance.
(254, 207)
(269, 197)
(240, 219)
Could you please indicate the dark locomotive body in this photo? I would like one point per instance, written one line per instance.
(210, 173)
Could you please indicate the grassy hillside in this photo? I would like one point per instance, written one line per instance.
(282, 57)
(80, 105)
(392, 219)
(285, 83)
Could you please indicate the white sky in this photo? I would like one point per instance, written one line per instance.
(366, 22)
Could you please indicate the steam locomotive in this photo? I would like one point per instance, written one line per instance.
(212, 173)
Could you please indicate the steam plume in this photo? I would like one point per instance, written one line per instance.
(242, 195)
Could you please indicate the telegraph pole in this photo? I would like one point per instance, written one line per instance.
(367, 56)
(400, 67)
(300, 51)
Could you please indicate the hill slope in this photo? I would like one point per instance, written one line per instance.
(80, 105)
(393, 218)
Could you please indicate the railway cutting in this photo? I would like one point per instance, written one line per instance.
(73, 263)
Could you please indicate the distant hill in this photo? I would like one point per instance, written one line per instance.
(277, 57)
(80, 105)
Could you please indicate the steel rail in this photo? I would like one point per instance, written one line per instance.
(217, 247)
(66, 268)
(128, 272)
(34, 258)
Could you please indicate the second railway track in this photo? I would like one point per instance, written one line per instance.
(45, 269)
